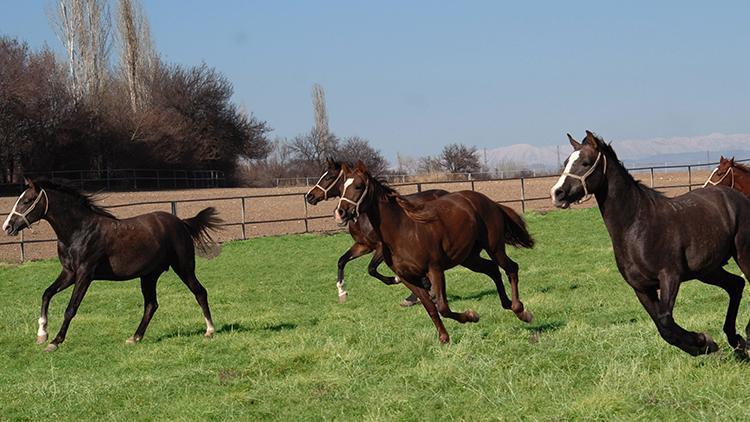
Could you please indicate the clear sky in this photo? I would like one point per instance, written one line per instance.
(414, 76)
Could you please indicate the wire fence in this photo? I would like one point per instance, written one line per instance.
(132, 179)
(531, 193)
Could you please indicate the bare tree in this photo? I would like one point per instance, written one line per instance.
(429, 165)
(84, 27)
(355, 148)
(137, 56)
(321, 134)
(459, 158)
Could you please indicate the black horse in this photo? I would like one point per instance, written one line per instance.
(94, 244)
(660, 242)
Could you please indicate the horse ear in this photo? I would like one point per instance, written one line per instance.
(575, 144)
(28, 182)
(345, 168)
(731, 162)
(591, 139)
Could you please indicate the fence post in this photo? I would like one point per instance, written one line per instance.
(652, 177)
(690, 179)
(23, 252)
(242, 214)
(174, 207)
(305, 202)
(472, 185)
(523, 197)
(419, 187)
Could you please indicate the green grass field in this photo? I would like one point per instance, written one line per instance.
(285, 349)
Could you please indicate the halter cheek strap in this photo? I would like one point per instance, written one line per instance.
(31, 208)
(356, 203)
(709, 182)
(325, 190)
(582, 179)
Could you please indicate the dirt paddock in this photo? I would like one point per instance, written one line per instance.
(264, 204)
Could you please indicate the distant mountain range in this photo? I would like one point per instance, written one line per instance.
(634, 153)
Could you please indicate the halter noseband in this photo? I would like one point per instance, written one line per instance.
(31, 207)
(356, 203)
(709, 182)
(582, 179)
(325, 190)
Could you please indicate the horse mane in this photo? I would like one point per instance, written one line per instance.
(609, 152)
(742, 166)
(85, 199)
(416, 212)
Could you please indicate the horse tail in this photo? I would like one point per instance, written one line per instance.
(516, 233)
(201, 226)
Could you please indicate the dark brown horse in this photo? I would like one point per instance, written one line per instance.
(729, 173)
(660, 242)
(426, 239)
(329, 186)
(93, 244)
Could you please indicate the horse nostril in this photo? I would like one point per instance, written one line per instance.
(559, 193)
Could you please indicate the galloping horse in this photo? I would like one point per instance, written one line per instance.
(94, 244)
(330, 185)
(426, 239)
(729, 173)
(660, 242)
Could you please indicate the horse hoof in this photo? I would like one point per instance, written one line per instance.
(526, 316)
(41, 339)
(50, 348)
(472, 316)
(710, 344)
(342, 297)
(209, 334)
(132, 340)
(444, 339)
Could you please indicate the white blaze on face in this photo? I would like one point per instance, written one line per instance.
(571, 160)
(13, 211)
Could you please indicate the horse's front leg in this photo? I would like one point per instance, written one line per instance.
(660, 306)
(63, 281)
(424, 296)
(372, 269)
(79, 290)
(357, 250)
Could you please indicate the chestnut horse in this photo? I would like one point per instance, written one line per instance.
(660, 242)
(94, 244)
(426, 239)
(329, 186)
(732, 174)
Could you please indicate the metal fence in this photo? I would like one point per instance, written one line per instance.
(132, 179)
(523, 200)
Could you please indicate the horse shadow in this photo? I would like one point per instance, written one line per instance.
(473, 296)
(233, 327)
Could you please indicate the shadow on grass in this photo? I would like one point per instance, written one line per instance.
(230, 328)
(479, 295)
(538, 330)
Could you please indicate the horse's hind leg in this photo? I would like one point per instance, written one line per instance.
(63, 281)
(743, 261)
(733, 285)
(148, 288)
(201, 296)
(511, 270)
(484, 266)
(437, 277)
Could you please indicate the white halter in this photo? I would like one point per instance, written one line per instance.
(30, 208)
(709, 182)
(356, 203)
(582, 179)
(325, 190)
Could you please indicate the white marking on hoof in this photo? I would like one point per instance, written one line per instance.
(50, 348)
(209, 329)
(41, 339)
(342, 292)
(42, 331)
(132, 340)
(398, 279)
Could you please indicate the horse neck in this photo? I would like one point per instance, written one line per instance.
(741, 180)
(620, 200)
(67, 217)
(386, 217)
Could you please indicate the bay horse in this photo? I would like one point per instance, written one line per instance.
(424, 240)
(729, 173)
(329, 185)
(94, 244)
(660, 242)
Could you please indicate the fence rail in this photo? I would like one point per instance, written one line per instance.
(244, 222)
